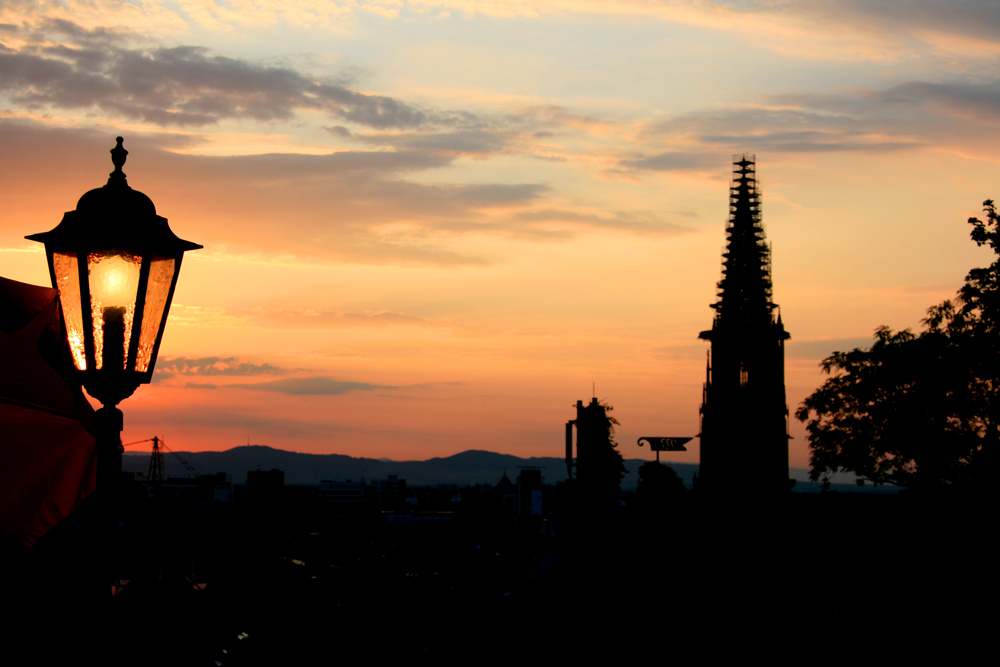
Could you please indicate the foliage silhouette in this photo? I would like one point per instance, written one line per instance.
(658, 484)
(918, 410)
(601, 467)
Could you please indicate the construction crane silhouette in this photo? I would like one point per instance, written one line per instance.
(155, 474)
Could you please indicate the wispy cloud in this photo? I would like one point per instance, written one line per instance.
(966, 17)
(913, 113)
(214, 366)
(350, 205)
(477, 142)
(908, 115)
(313, 317)
(303, 386)
(670, 161)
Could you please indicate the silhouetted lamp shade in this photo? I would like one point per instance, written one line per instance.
(115, 264)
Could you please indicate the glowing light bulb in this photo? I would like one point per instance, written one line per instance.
(114, 278)
(114, 282)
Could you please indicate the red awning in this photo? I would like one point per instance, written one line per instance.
(48, 450)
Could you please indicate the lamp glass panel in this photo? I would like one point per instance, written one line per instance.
(67, 272)
(114, 283)
(161, 276)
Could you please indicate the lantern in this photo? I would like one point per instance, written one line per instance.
(115, 263)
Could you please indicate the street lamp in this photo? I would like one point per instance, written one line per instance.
(115, 264)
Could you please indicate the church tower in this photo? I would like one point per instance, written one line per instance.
(744, 417)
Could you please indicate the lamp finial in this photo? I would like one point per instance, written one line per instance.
(118, 155)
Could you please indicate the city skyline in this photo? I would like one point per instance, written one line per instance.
(433, 226)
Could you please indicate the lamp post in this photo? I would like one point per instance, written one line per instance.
(115, 263)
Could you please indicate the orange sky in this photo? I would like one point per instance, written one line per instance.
(433, 226)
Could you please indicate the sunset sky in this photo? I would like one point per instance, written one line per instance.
(433, 225)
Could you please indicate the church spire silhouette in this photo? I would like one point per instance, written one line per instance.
(744, 417)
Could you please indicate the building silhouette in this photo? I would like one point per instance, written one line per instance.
(598, 464)
(529, 492)
(744, 417)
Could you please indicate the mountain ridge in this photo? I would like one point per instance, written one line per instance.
(472, 466)
(466, 468)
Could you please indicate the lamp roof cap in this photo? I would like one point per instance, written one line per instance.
(116, 214)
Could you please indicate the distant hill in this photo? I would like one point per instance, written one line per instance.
(463, 469)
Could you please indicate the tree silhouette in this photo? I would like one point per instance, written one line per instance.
(658, 484)
(600, 465)
(918, 410)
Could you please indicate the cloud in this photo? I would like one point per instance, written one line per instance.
(185, 86)
(338, 131)
(979, 100)
(912, 113)
(311, 386)
(908, 115)
(670, 161)
(639, 222)
(809, 142)
(352, 206)
(555, 224)
(316, 386)
(977, 18)
(811, 127)
(965, 98)
(213, 366)
(288, 317)
(471, 142)
(348, 206)
(811, 20)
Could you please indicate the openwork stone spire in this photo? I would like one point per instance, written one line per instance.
(744, 435)
(745, 289)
